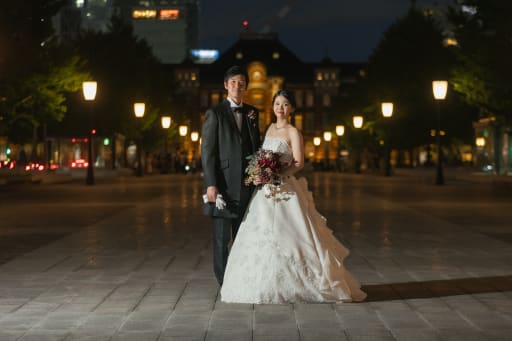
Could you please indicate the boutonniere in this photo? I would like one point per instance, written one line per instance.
(252, 117)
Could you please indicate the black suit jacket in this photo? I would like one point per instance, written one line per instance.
(222, 154)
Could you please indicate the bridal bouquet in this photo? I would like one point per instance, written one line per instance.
(265, 164)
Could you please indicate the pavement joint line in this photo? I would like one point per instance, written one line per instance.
(138, 266)
(388, 327)
(171, 260)
(57, 263)
(143, 296)
(458, 312)
(106, 297)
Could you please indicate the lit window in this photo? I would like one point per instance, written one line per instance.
(256, 75)
(333, 75)
(143, 14)
(310, 99)
(319, 76)
(169, 14)
(239, 55)
(299, 98)
(362, 73)
(215, 98)
(79, 3)
(326, 76)
(326, 100)
(298, 122)
(275, 55)
(193, 76)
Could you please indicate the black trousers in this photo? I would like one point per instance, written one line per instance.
(224, 230)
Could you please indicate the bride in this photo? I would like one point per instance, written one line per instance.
(284, 252)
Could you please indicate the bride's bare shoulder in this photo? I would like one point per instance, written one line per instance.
(293, 131)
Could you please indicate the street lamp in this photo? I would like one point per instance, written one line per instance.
(387, 112)
(439, 89)
(89, 89)
(183, 130)
(166, 123)
(327, 139)
(194, 136)
(357, 121)
(387, 109)
(340, 131)
(139, 110)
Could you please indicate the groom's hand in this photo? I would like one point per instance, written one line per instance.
(211, 193)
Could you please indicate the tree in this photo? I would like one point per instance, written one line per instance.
(483, 30)
(401, 69)
(126, 72)
(35, 74)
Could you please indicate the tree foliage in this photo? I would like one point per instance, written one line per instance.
(401, 69)
(35, 74)
(127, 72)
(483, 30)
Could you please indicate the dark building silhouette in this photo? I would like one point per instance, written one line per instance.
(271, 66)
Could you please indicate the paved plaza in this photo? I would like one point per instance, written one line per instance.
(131, 259)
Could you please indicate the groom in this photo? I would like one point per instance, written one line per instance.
(230, 134)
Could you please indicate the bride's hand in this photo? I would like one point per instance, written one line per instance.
(257, 181)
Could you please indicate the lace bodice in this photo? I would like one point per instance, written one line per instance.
(279, 145)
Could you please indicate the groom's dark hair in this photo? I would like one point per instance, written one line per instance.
(234, 71)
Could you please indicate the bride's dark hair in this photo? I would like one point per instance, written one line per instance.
(286, 94)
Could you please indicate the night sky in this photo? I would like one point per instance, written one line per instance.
(348, 30)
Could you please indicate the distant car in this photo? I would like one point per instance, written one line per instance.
(8, 164)
(34, 166)
(79, 163)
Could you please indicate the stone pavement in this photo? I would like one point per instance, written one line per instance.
(130, 259)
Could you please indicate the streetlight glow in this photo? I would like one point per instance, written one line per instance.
(139, 109)
(387, 109)
(89, 89)
(194, 136)
(166, 122)
(327, 136)
(358, 121)
(340, 130)
(439, 88)
(317, 141)
(183, 130)
(480, 142)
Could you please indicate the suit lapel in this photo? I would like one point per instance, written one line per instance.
(229, 115)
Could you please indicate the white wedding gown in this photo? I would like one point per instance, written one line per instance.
(284, 252)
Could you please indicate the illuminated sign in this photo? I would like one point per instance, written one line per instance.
(169, 14)
(204, 56)
(144, 14)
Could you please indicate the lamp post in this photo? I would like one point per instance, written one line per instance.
(89, 89)
(316, 142)
(139, 110)
(387, 112)
(183, 157)
(439, 89)
(327, 139)
(340, 131)
(166, 123)
(194, 136)
(358, 121)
